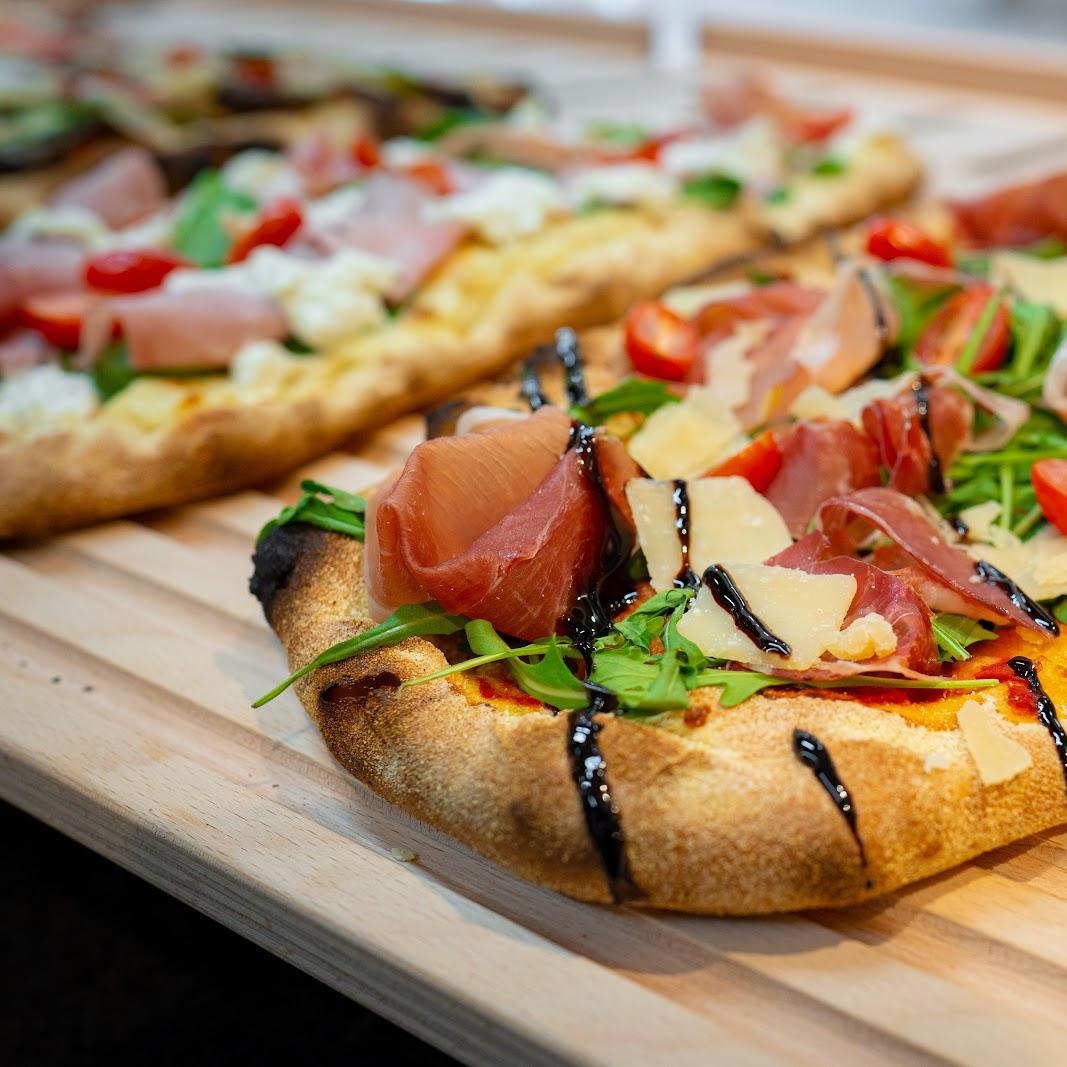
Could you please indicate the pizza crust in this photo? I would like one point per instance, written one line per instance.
(719, 818)
(485, 307)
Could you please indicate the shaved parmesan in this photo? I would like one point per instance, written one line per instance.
(997, 757)
(727, 370)
(687, 300)
(1037, 566)
(864, 638)
(684, 440)
(729, 522)
(805, 610)
(979, 519)
(1042, 281)
(815, 402)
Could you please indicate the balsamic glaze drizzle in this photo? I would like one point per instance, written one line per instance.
(570, 356)
(960, 526)
(812, 753)
(599, 806)
(881, 316)
(988, 573)
(733, 602)
(1046, 711)
(685, 578)
(922, 403)
(530, 383)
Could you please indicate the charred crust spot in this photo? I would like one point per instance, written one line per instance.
(274, 561)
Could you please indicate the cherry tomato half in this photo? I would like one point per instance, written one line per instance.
(277, 223)
(57, 317)
(890, 239)
(759, 462)
(1049, 477)
(366, 151)
(433, 174)
(131, 270)
(660, 342)
(945, 341)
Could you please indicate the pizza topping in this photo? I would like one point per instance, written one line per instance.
(890, 239)
(45, 399)
(1039, 281)
(37, 268)
(122, 189)
(970, 332)
(848, 520)
(276, 225)
(630, 183)
(758, 462)
(812, 753)
(131, 270)
(1049, 477)
(57, 317)
(659, 342)
(1026, 669)
(1015, 217)
(23, 348)
(997, 757)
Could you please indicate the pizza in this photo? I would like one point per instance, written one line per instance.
(749, 604)
(163, 350)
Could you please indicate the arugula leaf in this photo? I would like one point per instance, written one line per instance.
(1034, 327)
(1047, 248)
(450, 119)
(1059, 609)
(829, 167)
(549, 680)
(411, 620)
(639, 395)
(344, 513)
(718, 191)
(955, 633)
(199, 231)
(737, 686)
(977, 336)
(760, 277)
(779, 195)
(916, 304)
(624, 134)
(978, 264)
(643, 625)
(675, 642)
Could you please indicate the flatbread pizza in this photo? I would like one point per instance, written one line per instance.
(757, 610)
(166, 350)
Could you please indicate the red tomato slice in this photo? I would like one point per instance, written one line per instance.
(366, 151)
(131, 270)
(433, 174)
(945, 339)
(57, 317)
(759, 462)
(890, 239)
(659, 342)
(276, 225)
(1049, 477)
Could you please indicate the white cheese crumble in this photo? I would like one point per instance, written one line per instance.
(753, 153)
(402, 152)
(45, 398)
(154, 232)
(510, 203)
(260, 364)
(77, 223)
(637, 183)
(262, 174)
(996, 756)
(335, 206)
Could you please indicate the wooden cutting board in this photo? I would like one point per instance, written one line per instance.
(129, 655)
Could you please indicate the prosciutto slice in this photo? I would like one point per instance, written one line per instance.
(848, 522)
(820, 460)
(904, 447)
(494, 525)
(879, 592)
(1017, 216)
(23, 349)
(174, 330)
(121, 189)
(31, 268)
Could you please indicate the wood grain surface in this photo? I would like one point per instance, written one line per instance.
(130, 653)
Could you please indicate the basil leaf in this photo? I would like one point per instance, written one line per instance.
(718, 191)
(829, 167)
(639, 395)
(549, 680)
(955, 633)
(344, 513)
(199, 231)
(112, 371)
(411, 620)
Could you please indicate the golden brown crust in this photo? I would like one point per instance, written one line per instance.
(719, 818)
(483, 310)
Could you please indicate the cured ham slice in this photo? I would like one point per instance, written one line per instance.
(905, 449)
(779, 300)
(23, 349)
(36, 268)
(122, 189)
(170, 330)
(494, 525)
(512, 144)
(1008, 413)
(1015, 217)
(820, 460)
(877, 592)
(848, 522)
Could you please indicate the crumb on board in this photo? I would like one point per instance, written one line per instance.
(403, 855)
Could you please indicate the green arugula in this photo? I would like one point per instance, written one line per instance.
(412, 620)
(829, 167)
(779, 195)
(916, 303)
(452, 118)
(977, 336)
(342, 513)
(623, 134)
(200, 233)
(955, 633)
(718, 191)
(639, 395)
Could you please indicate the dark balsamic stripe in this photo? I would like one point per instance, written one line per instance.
(530, 385)
(570, 356)
(599, 807)
(685, 579)
(733, 602)
(881, 316)
(960, 526)
(988, 573)
(812, 753)
(935, 474)
(1046, 711)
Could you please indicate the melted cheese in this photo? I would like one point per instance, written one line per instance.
(729, 522)
(997, 757)
(684, 440)
(805, 610)
(1043, 281)
(624, 183)
(45, 398)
